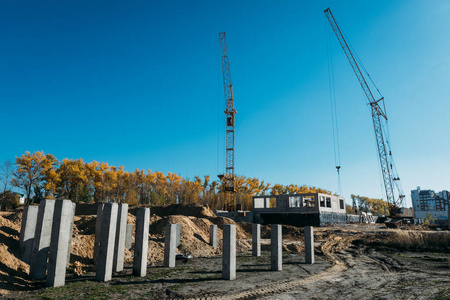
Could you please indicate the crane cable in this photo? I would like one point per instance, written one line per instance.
(337, 152)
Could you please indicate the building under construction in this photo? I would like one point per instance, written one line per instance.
(313, 209)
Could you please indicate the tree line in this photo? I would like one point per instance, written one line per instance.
(42, 176)
(376, 206)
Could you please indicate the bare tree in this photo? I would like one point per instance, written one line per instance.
(6, 173)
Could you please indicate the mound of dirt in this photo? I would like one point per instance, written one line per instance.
(194, 210)
(12, 269)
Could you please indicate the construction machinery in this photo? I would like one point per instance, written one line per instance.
(378, 110)
(228, 179)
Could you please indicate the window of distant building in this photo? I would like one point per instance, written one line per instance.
(322, 201)
(309, 201)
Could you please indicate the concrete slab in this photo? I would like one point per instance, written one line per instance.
(98, 230)
(309, 245)
(42, 237)
(276, 249)
(256, 239)
(57, 258)
(107, 239)
(229, 252)
(27, 231)
(213, 235)
(119, 247)
(141, 242)
(170, 245)
(129, 236)
(74, 206)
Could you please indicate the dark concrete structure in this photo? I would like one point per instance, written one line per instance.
(315, 209)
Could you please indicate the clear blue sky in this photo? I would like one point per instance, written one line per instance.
(139, 84)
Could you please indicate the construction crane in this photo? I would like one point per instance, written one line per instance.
(378, 110)
(228, 180)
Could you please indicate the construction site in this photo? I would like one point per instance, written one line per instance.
(352, 261)
(308, 245)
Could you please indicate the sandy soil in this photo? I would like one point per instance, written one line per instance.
(352, 262)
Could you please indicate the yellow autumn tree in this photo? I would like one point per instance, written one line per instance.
(35, 175)
(73, 176)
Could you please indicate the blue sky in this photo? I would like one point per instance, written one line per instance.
(139, 84)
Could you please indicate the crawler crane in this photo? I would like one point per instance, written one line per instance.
(378, 110)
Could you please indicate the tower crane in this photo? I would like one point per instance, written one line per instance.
(228, 180)
(378, 111)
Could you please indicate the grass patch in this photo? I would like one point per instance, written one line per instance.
(443, 295)
(82, 289)
(417, 241)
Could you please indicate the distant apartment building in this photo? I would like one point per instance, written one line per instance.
(428, 201)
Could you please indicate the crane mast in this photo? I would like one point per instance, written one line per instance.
(230, 111)
(378, 112)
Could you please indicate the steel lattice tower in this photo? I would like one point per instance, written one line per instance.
(378, 112)
(230, 111)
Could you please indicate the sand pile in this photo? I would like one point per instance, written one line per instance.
(12, 269)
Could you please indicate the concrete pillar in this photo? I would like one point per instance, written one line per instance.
(213, 236)
(119, 247)
(57, 257)
(74, 206)
(27, 230)
(276, 248)
(98, 230)
(449, 218)
(178, 241)
(229, 252)
(129, 236)
(42, 236)
(309, 245)
(256, 239)
(105, 254)
(141, 242)
(170, 245)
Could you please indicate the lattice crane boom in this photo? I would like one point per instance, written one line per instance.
(378, 112)
(230, 111)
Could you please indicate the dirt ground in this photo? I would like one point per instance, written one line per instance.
(352, 262)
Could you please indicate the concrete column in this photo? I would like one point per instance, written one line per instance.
(170, 245)
(129, 236)
(119, 247)
(178, 241)
(107, 238)
(213, 236)
(98, 230)
(141, 242)
(42, 236)
(256, 239)
(229, 252)
(309, 245)
(276, 248)
(27, 230)
(74, 206)
(57, 257)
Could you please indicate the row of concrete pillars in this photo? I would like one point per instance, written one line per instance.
(46, 234)
(276, 247)
(113, 235)
(229, 246)
(45, 239)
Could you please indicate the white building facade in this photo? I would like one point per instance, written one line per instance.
(428, 201)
